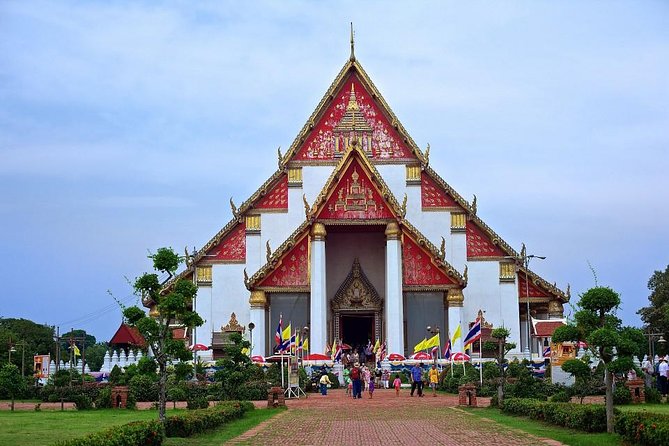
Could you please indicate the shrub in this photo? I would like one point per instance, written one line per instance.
(103, 401)
(199, 402)
(202, 420)
(561, 397)
(585, 417)
(144, 388)
(146, 433)
(643, 428)
(82, 402)
(653, 395)
(334, 380)
(622, 395)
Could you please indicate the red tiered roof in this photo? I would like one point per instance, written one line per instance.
(127, 335)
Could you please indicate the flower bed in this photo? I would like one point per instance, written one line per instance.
(643, 428)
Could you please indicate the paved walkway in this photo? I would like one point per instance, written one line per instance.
(384, 420)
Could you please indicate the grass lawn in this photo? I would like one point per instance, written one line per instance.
(544, 430)
(655, 408)
(228, 431)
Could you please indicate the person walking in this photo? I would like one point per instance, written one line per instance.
(371, 385)
(347, 380)
(355, 378)
(324, 381)
(397, 384)
(433, 377)
(417, 379)
(663, 371)
(385, 377)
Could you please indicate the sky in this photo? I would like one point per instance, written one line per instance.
(127, 126)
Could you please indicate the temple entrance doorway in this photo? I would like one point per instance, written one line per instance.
(357, 329)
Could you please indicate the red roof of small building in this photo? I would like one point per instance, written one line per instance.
(179, 333)
(545, 329)
(127, 335)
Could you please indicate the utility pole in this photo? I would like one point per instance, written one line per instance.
(57, 339)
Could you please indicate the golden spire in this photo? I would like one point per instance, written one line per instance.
(352, 43)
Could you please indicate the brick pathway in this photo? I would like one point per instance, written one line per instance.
(384, 420)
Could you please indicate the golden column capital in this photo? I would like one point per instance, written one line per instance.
(258, 299)
(318, 231)
(393, 231)
(455, 298)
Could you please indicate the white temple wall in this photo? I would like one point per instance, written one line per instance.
(204, 307)
(395, 177)
(254, 255)
(483, 292)
(313, 180)
(276, 227)
(456, 250)
(510, 311)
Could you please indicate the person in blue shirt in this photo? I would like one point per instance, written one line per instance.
(417, 379)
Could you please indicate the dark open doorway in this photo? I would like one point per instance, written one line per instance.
(357, 329)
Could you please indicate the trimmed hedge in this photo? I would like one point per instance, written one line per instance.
(145, 433)
(585, 417)
(199, 421)
(643, 428)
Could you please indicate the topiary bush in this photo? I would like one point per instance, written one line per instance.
(561, 397)
(643, 428)
(144, 388)
(82, 402)
(585, 417)
(103, 401)
(622, 395)
(145, 433)
(653, 396)
(199, 421)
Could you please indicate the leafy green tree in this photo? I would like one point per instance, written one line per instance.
(585, 382)
(501, 347)
(656, 315)
(95, 355)
(239, 377)
(596, 324)
(174, 305)
(28, 338)
(77, 336)
(12, 382)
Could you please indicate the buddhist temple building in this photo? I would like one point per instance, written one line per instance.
(357, 238)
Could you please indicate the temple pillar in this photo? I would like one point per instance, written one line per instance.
(318, 299)
(258, 302)
(394, 310)
(455, 301)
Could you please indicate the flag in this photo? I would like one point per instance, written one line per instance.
(338, 353)
(76, 350)
(285, 334)
(457, 334)
(277, 336)
(447, 349)
(298, 342)
(328, 349)
(420, 346)
(434, 341)
(377, 346)
(246, 351)
(547, 352)
(333, 350)
(382, 351)
(292, 343)
(435, 351)
(474, 333)
(305, 345)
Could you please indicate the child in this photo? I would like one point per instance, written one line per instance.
(397, 383)
(385, 377)
(371, 386)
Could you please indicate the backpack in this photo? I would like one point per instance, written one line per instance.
(355, 373)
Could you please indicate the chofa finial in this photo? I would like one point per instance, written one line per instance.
(352, 43)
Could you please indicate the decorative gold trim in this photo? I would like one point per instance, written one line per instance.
(413, 174)
(392, 231)
(419, 288)
(258, 299)
(458, 222)
(269, 289)
(450, 209)
(153, 312)
(233, 325)
(221, 262)
(294, 177)
(455, 298)
(524, 299)
(203, 274)
(507, 272)
(253, 223)
(318, 231)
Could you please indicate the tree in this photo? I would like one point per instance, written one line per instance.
(500, 336)
(584, 381)
(38, 338)
(174, 305)
(656, 316)
(95, 355)
(597, 325)
(12, 382)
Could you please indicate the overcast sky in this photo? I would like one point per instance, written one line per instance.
(127, 126)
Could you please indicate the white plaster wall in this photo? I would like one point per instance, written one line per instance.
(203, 307)
(457, 250)
(228, 295)
(313, 180)
(395, 177)
(510, 311)
(255, 257)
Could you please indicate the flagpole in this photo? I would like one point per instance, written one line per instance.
(481, 357)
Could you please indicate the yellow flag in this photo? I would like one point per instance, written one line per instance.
(297, 341)
(305, 346)
(377, 346)
(418, 347)
(245, 351)
(76, 350)
(285, 334)
(456, 334)
(432, 342)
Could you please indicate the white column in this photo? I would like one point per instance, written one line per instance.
(455, 302)
(318, 308)
(258, 303)
(394, 310)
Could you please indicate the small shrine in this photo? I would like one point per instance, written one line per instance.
(221, 338)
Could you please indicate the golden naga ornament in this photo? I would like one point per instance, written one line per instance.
(280, 157)
(404, 205)
(233, 207)
(427, 155)
(269, 251)
(474, 205)
(307, 208)
(442, 249)
(246, 279)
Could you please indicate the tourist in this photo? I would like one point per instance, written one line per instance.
(363, 356)
(397, 384)
(366, 374)
(370, 385)
(355, 378)
(378, 374)
(356, 358)
(347, 380)
(417, 379)
(434, 379)
(647, 368)
(325, 380)
(385, 377)
(663, 370)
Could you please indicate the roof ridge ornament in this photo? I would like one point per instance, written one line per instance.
(352, 58)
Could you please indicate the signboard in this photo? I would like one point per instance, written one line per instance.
(41, 366)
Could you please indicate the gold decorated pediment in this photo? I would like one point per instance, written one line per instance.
(357, 293)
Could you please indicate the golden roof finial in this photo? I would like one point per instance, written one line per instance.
(352, 43)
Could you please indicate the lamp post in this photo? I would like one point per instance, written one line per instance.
(251, 327)
(652, 338)
(526, 263)
(11, 350)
